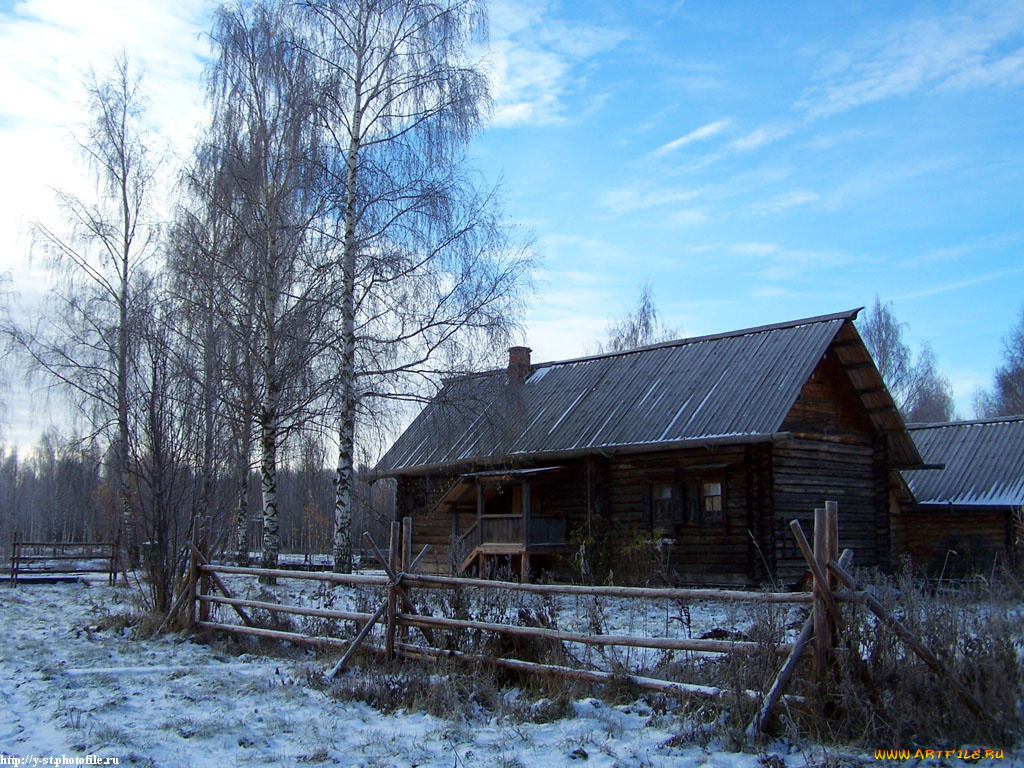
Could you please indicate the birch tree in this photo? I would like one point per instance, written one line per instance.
(920, 391)
(85, 342)
(217, 326)
(265, 136)
(428, 274)
(638, 328)
(1007, 395)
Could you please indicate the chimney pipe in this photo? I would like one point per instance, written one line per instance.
(518, 364)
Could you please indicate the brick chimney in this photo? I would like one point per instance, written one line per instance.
(518, 364)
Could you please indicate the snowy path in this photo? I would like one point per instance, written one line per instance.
(255, 710)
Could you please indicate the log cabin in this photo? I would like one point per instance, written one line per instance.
(965, 514)
(682, 461)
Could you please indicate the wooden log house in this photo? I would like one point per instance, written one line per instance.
(966, 514)
(697, 452)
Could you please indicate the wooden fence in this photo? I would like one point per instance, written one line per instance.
(832, 585)
(63, 558)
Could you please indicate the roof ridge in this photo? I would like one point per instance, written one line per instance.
(850, 314)
(964, 422)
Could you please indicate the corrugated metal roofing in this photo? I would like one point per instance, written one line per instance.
(984, 463)
(734, 385)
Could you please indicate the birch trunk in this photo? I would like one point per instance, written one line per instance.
(268, 478)
(347, 383)
(242, 519)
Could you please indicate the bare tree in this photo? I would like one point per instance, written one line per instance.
(427, 273)
(85, 344)
(169, 434)
(1007, 395)
(920, 391)
(217, 341)
(266, 139)
(637, 328)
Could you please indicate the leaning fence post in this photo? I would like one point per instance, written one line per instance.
(395, 544)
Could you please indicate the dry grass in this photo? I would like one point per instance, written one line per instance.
(880, 692)
(877, 693)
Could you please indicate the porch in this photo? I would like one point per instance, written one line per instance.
(504, 518)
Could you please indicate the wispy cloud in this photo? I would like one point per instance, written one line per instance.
(697, 134)
(760, 137)
(784, 202)
(754, 248)
(982, 45)
(640, 196)
(533, 58)
(954, 285)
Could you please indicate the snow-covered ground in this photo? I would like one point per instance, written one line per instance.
(76, 683)
(72, 687)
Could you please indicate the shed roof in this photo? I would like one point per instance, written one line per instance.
(984, 462)
(729, 387)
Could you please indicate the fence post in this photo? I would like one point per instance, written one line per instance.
(395, 544)
(114, 558)
(822, 636)
(204, 578)
(193, 577)
(406, 544)
(406, 564)
(832, 539)
(14, 561)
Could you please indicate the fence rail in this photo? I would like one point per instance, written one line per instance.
(51, 558)
(401, 614)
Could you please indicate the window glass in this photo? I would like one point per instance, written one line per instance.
(661, 495)
(711, 494)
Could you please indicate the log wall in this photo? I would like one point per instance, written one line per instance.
(835, 454)
(703, 552)
(957, 541)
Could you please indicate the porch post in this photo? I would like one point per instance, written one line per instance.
(526, 514)
(479, 510)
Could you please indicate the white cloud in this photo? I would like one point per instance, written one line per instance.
(697, 134)
(760, 137)
(533, 57)
(979, 46)
(639, 196)
(784, 202)
(46, 49)
(955, 285)
(687, 217)
(754, 248)
(789, 265)
(569, 249)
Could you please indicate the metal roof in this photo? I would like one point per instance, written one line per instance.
(736, 386)
(984, 463)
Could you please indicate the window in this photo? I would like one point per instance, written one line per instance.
(696, 502)
(661, 496)
(712, 510)
(664, 506)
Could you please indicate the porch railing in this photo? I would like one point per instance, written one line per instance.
(508, 529)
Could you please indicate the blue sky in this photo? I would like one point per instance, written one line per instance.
(758, 162)
(755, 162)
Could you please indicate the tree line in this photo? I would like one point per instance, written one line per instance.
(330, 256)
